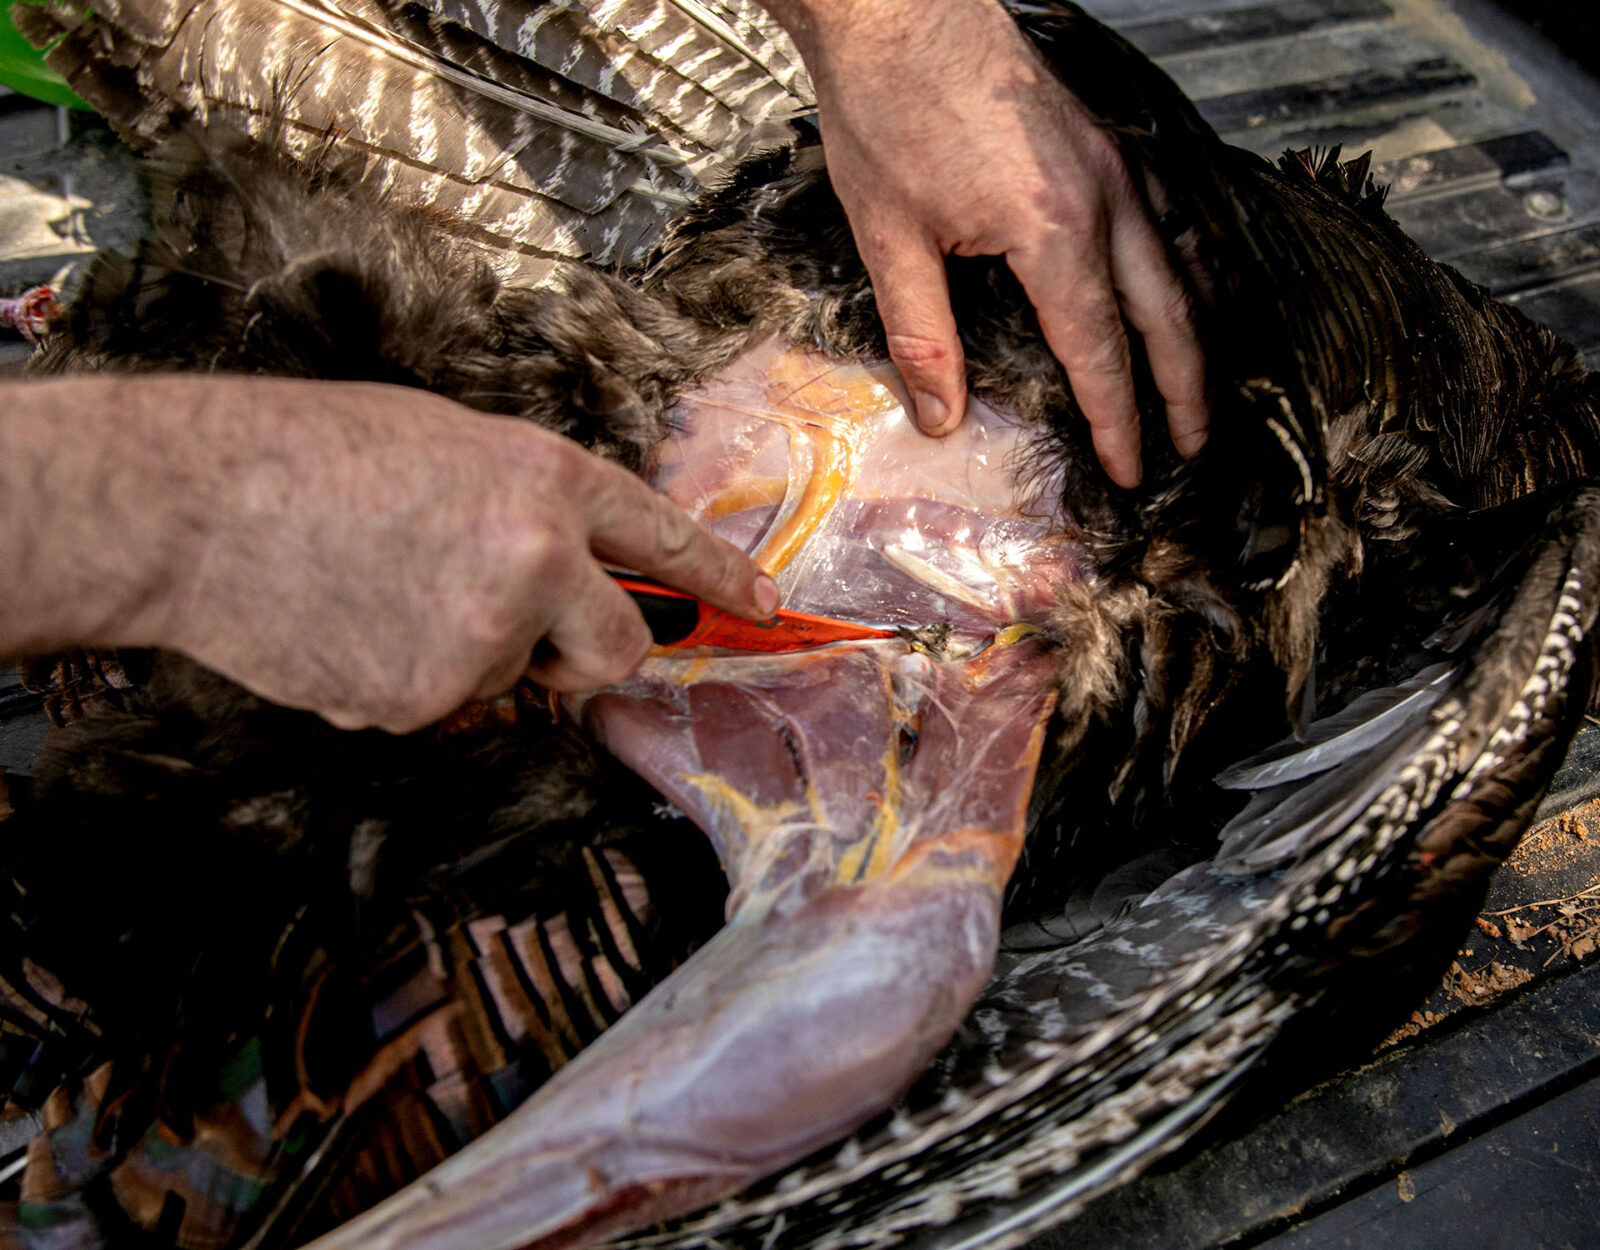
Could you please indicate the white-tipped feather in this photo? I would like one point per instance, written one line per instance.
(643, 142)
(698, 12)
(1370, 719)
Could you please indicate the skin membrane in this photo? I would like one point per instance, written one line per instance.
(867, 801)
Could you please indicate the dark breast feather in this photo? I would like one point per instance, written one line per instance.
(1378, 420)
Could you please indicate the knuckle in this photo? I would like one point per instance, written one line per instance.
(612, 660)
(1099, 349)
(351, 719)
(919, 351)
(620, 664)
(1070, 207)
(1074, 214)
(558, 454)
(1175, 309)
(402, 715)
(1113, 427)
(495, 612)
(677, 538)
(435, 691)
(540, 558)
(608, 488)
(879, 241)
(541, 468)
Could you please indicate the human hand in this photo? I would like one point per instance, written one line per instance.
(374, 554)
(945, 133)
(427, 552)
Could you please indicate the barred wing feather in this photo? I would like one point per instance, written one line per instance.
(552, 131)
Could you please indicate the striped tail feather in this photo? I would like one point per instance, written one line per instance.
(746, 62)
(768, 42)
(552, 135)
(474, 1020)
(677, 72)
(363, 1075)
(760, 37)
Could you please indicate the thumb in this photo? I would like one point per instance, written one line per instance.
(908, 282)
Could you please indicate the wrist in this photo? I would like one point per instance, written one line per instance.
(862, 48)
(829, 30)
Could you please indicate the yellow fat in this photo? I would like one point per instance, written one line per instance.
(814, 383)
(742, 495)
(873, 855)
(821, 402)
(753, 820)
(1013, 634)
(831, 477)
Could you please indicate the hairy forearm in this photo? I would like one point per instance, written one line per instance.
(105, 488)
(869, 28)
(801, 17)
(377, 554)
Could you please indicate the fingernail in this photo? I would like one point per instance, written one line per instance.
(931, 410)
(766, 595)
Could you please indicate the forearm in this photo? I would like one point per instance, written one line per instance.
(105, 491)
(801, 18)
(376, 554)
(822, 29)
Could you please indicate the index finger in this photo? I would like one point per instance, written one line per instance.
(630, 524)
(913, 298)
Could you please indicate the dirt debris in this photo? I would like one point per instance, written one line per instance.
(1548, 918)
(1477, 986)
(1566, 924)
(1420, 1023)
(1561, 841)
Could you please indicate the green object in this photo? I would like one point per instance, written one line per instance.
(22, 68)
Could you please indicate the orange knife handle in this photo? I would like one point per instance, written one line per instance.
(665, 611)
(671, 614)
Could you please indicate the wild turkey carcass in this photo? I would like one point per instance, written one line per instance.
(1080, 677)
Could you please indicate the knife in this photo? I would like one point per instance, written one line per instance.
(677, 619)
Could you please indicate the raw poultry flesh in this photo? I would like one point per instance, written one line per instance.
(866, 799)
